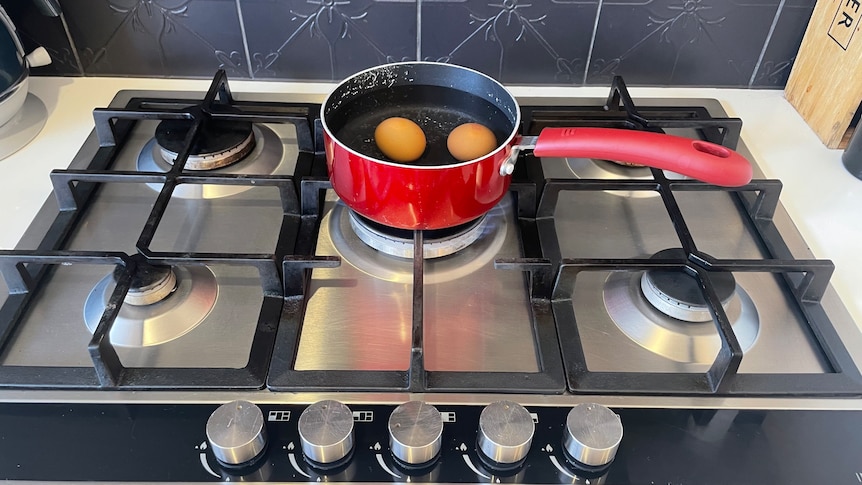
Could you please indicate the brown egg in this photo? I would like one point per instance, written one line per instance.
(470, 141)
(400, 139)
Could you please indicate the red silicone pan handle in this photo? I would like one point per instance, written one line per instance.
(698, 159)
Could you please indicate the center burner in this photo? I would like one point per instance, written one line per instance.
(218, 143)
(489, 235)
(665, 311)
(399, 242)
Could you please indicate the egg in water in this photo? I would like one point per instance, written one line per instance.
(470, 141)
(400, 139)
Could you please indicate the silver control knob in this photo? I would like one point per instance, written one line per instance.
(415, 432)
(326, 431)
(236, 432)
(593, 434)
(505, 432)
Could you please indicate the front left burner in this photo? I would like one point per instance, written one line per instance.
(218, 143)
(146, 325)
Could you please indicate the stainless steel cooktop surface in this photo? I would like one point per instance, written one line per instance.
(484, 314)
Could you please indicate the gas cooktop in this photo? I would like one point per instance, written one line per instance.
(195, 270)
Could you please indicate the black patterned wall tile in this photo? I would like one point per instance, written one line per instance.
(681, 42)
(515, 41)
(189, 38)
(36, 30)
(327, 39)
(776, 62)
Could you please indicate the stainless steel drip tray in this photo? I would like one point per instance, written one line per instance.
(54, 332)
(359, 315)
(789, 347)
(648, 341)
(611, 310)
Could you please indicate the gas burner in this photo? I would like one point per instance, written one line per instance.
(622, 164)
(490, 233)
(264, 158)
(150, 284)
(185, 304)
(399, 242)
(218, 144)
(665, 312)
(589, 168)
(677, 294)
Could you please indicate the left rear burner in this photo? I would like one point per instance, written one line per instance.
(222, 147)
(163, 304)
(218, 143)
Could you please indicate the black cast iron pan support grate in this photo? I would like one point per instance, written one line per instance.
(25, 270)
(805, 280)
(21, 284)
(723, 131)
(805, 283)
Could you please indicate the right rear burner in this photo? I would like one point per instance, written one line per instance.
(665, 312)
(590, 168)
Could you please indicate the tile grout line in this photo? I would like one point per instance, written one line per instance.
(244, 39)
(592, 42)
(418, 30)
(766, 42)
(72, 45)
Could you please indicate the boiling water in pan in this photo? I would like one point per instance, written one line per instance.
(437, 110)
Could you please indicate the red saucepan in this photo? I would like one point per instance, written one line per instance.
(437, 191)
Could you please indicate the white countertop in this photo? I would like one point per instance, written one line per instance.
(823, 199)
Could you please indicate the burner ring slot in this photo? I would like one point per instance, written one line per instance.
(403, 248)
(669, 291)
(162, 287)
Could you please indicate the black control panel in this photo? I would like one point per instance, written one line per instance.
(168, 443)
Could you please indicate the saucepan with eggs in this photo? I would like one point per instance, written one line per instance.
(424, 145)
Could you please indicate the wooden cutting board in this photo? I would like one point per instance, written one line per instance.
(825, 85)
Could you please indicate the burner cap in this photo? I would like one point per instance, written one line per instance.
(218, 144)
(150, 283)
(677, 294)
(399, 242)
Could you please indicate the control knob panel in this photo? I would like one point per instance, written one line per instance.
(329, 441)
